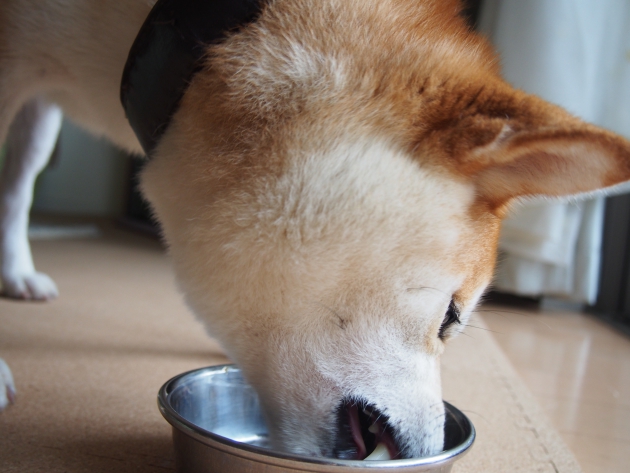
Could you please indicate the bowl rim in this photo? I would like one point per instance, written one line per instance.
(266, 455)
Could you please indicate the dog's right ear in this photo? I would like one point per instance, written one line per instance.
(513, 145)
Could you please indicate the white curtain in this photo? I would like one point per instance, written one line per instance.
(575, 53)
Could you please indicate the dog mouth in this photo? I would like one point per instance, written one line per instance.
(364, 433)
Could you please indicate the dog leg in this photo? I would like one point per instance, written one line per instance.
(7, 387)
(30, 141)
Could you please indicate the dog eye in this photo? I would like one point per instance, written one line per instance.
(451, 317)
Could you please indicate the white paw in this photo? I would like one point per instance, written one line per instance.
(30, 286)
(7, 386)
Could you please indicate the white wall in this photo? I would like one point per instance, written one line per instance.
(88, 177)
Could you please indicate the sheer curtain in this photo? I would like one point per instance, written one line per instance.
(575, 53)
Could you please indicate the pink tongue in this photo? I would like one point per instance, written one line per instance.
(355, 427)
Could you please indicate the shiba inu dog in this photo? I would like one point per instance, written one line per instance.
(331, 188)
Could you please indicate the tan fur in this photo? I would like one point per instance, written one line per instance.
(334, 177)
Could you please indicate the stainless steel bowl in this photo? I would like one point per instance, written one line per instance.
(218, 428)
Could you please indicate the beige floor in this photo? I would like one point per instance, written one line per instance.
(578, 369)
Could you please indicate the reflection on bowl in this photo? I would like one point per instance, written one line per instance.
(218, 428)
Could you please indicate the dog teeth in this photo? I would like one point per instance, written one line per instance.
(373, 429)
(380, 453)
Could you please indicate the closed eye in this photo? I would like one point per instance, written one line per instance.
(451, 317)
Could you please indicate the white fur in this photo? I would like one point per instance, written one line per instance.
(318, 188)
(66, 53)
(75, 60)
(267, 268)
(322, 260)
(31, 141)
(327, 279)
(7, 385)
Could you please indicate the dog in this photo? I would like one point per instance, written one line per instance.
(330, 186)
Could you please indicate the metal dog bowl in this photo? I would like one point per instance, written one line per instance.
(218, 428)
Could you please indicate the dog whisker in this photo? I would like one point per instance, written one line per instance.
(482, 328)
(501, 311)
(468, 411)
(466, 334)
(504, 312)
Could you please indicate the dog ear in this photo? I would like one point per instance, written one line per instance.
(552, 162)
(516, 145)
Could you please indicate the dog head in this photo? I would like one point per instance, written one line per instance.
(331, 190)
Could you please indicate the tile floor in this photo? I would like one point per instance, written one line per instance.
(578, 368)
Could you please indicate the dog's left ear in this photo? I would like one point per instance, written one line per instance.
(553, 162)
(518, 145)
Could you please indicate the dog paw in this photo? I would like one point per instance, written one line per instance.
(31, 286)
(7, 386)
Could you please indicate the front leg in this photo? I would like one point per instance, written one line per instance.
(30, 142)
(7, 386)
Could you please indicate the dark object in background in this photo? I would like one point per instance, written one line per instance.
(471, 11)
(613, 297)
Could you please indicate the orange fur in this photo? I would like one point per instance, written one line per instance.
(333, 182)
(352, 161)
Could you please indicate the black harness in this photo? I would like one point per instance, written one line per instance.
(167, 53)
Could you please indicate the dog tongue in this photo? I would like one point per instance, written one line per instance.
(355, 428)
(385, 447)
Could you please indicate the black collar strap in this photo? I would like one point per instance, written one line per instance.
(167, 53)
